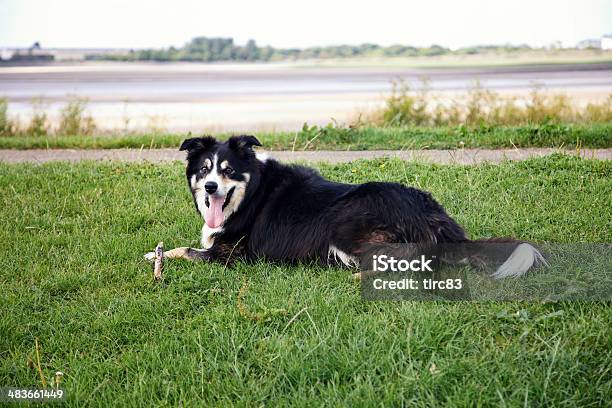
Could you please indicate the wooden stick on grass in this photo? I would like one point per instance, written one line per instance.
(159, 261)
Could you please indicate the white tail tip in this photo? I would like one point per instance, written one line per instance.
(523, 258)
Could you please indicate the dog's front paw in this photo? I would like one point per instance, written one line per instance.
(150, 256)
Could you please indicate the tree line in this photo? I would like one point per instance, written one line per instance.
(205, 49)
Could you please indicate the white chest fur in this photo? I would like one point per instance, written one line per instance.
(207, 236)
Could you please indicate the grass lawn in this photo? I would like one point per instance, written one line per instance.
(73, 277)
(367, 138)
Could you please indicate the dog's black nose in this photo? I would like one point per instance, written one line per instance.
(210, 187)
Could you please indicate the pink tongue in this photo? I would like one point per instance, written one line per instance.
(214, 214)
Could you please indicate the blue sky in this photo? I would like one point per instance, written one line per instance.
(286, 23)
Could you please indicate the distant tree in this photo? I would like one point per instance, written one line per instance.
(434, 50)
(223, 49)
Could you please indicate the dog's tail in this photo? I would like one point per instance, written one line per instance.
(524, 257)
(514, 257)
(505, 257)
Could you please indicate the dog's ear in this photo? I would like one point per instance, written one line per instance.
(243, 142)
(197, 143)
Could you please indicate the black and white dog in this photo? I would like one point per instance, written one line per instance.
(255, 207)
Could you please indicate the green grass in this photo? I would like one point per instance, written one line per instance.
(73, 277)
(367, 138)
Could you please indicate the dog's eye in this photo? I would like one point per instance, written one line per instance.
(204, 170)
(228, 171)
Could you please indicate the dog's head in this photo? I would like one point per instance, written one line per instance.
(219, 174)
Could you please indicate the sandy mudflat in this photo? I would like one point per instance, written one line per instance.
(241, 97)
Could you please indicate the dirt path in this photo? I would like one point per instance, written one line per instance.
(466, 156)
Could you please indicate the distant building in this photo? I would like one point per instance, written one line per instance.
(32, 54)
(591, 43)
(606, 42)
(6, 54)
